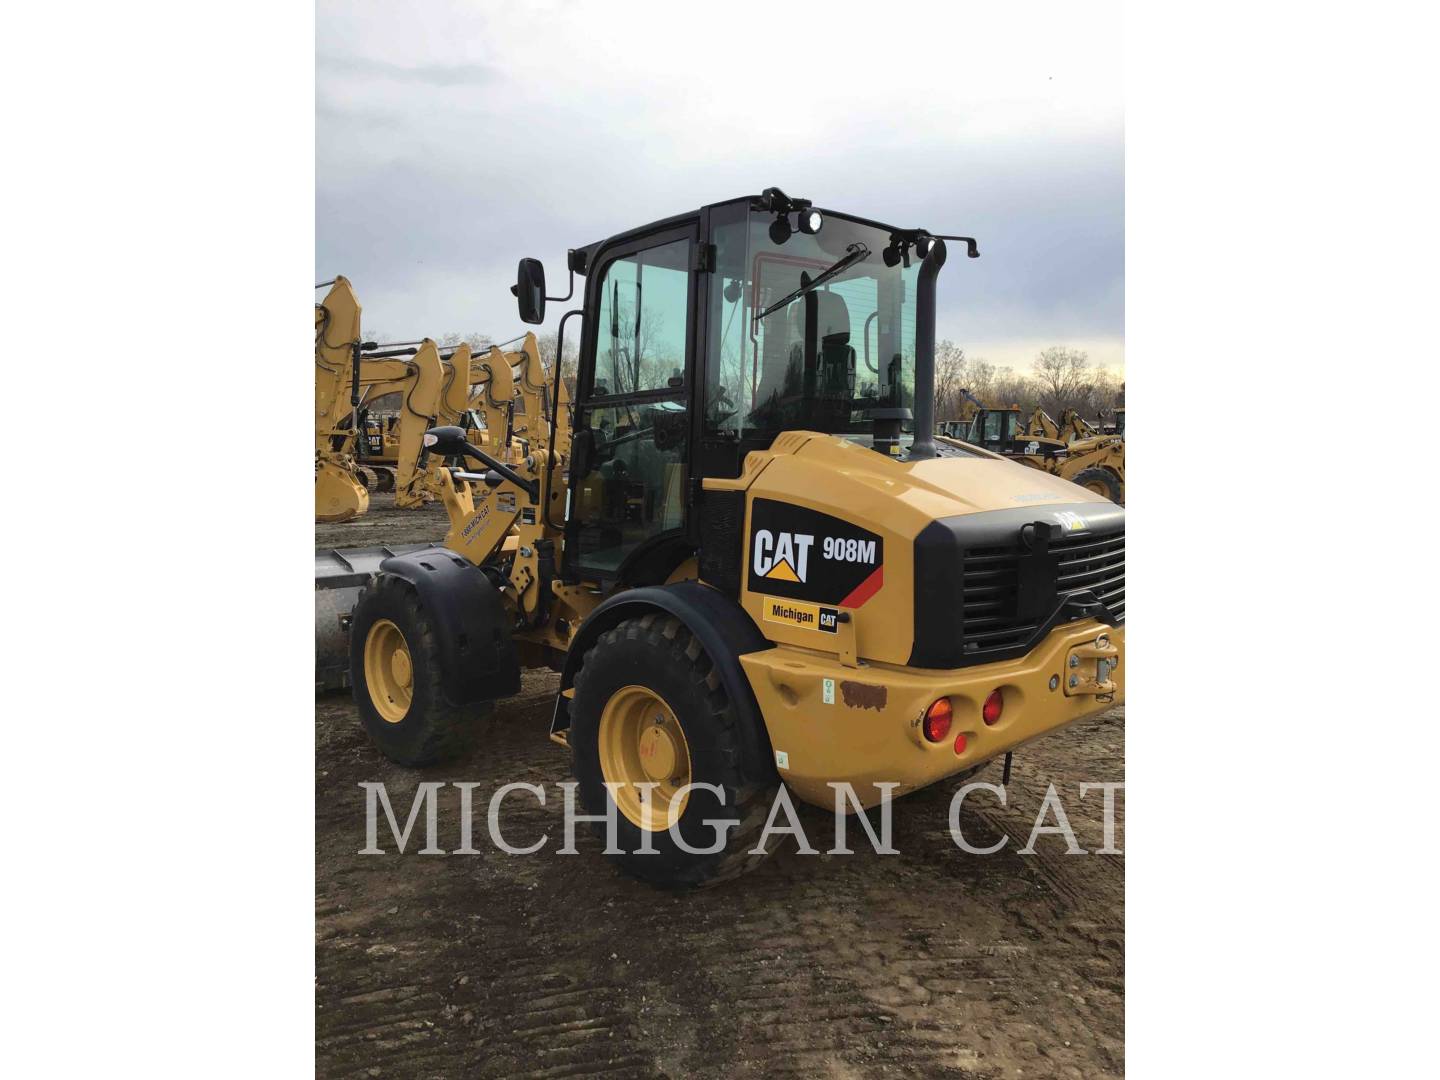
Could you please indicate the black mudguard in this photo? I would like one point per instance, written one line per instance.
(720, 624)
(472, 629)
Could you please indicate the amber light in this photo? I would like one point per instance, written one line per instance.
(937, 720)
(994, 704)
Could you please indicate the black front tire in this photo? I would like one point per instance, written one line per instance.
(660, 653)
(434, 728)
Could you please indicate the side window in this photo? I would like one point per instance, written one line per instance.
(644, 301)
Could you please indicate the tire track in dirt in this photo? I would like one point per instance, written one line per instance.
(926, 963)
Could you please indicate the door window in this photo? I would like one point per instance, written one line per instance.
(630, 486)
(644, 309)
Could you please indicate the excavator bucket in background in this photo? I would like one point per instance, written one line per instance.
(339, 495)
(339, 576)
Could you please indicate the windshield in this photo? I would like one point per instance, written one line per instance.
(825, 360)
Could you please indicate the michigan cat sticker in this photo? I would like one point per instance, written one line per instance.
(804, 555)
(804, 616)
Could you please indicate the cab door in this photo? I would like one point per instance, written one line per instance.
(628, 485)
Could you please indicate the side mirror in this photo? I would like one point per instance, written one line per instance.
(529, 290)
(447, 442)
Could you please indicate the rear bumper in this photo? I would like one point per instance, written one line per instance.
(869, 731)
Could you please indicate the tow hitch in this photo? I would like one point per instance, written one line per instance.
(1090, 667)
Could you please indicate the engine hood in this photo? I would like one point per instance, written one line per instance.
(936, 487)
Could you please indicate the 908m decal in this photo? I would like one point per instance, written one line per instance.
(806, 555)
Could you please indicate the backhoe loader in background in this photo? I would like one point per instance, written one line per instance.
(339, 491)
(961, 428)
(1072, 451)
(745, 555)
(432, 387)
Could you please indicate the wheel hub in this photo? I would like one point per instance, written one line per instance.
(400, 666)
(644, 754)
(657, 752)
(389, 671)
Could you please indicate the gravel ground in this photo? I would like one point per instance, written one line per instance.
(383, 523)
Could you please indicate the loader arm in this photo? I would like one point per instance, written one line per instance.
(1043, 426)
(455, 390)
(493, 395)
(339, 494)
(422, 406)
(1075, 426)
(337, 332)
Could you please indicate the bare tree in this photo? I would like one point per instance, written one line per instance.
(548, 343)
(1061, 372)
(477, 341)
(949, 379)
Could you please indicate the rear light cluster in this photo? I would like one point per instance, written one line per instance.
(937, 720)
(993, 706)
(940, 715)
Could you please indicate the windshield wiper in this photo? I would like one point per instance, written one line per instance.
(853, 254)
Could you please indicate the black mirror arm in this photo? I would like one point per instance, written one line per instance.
(530, 487)
(972, 249)
(569, 292)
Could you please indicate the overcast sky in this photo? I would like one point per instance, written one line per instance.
(455, 138)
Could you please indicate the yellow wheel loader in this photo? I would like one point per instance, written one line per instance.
(745, 554)
(1072, 452)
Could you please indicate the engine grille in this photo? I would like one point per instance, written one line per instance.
(990, 589)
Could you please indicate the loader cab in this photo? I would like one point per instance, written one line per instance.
(960, 430)
(704, 337)
(997, 430)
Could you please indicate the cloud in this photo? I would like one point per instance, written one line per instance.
(454, 139)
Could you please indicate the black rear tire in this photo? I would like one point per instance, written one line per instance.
(434, 728)
(660, 653)
(1102, 482)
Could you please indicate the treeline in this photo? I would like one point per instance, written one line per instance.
(1060, 378)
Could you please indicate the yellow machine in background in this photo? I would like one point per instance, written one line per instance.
(339, 492)
(357, 452)
(1071, 450)
(745, 569)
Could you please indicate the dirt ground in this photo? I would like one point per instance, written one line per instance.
(384, 524)
(927, 963)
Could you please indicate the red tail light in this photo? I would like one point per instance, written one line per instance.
(993, 706)
(937, 720)
(960, 743)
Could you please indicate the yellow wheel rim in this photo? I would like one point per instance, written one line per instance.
(1098, 487)
(389, 672)
(641, 743)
